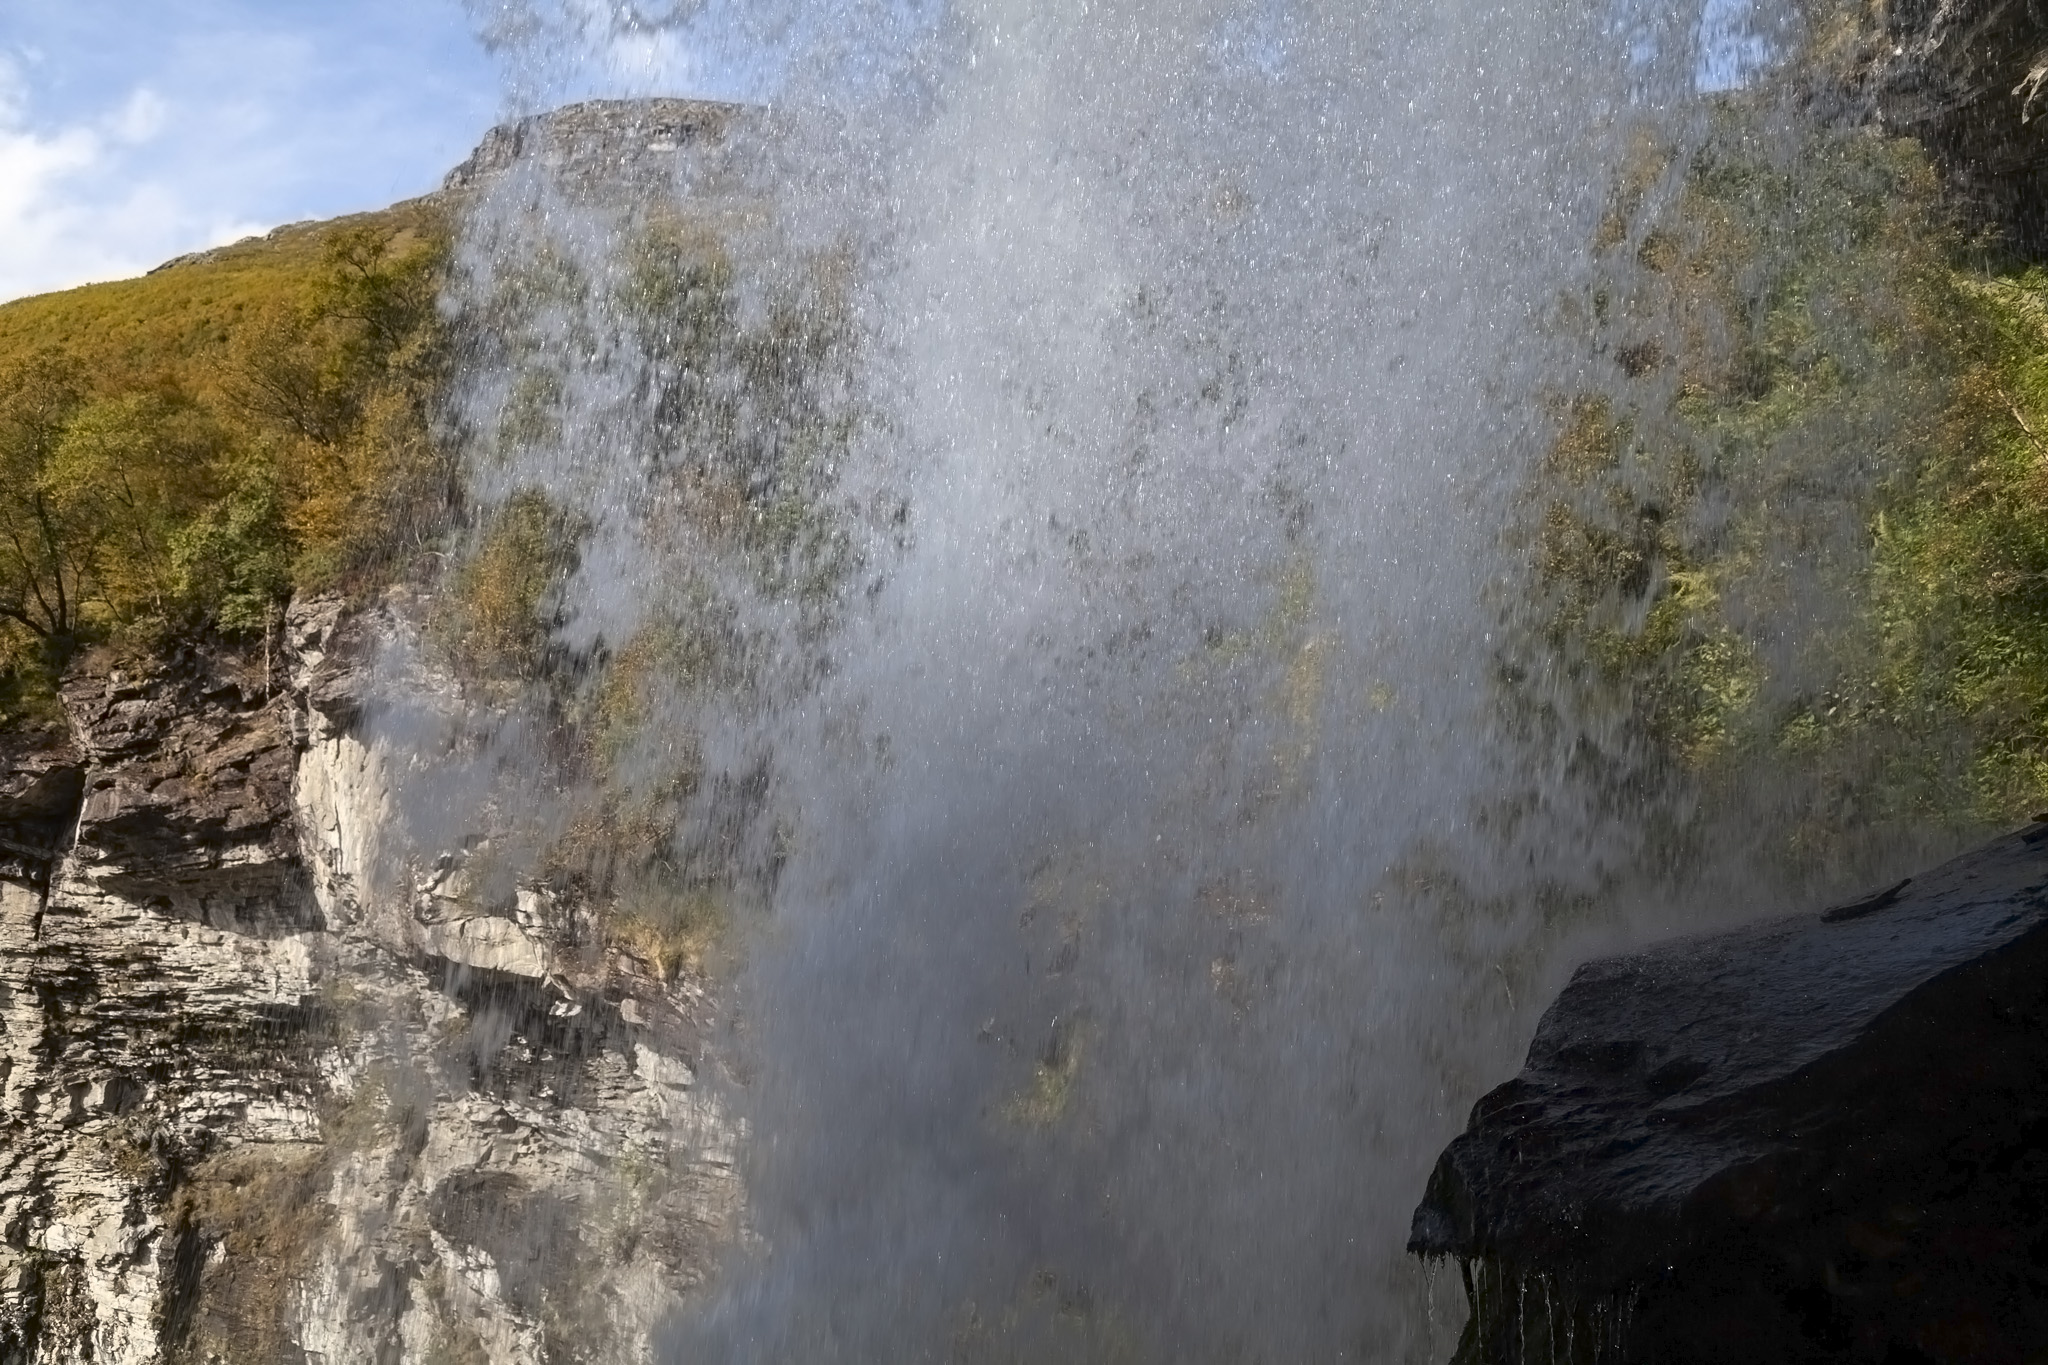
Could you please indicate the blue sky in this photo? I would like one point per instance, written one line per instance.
(1731, 50)
(132, 131)
(135, 130)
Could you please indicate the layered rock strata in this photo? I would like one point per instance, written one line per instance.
(1819, 1139)
(260, 1104)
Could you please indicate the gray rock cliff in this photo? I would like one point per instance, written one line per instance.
(604, 146)
(1969, 79)
(259, 1108)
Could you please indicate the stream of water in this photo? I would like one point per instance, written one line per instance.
(1138, 911)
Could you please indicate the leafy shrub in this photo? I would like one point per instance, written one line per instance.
(126, 474)
(40, 575)
(236, 553)
(1961, 585)
(498, 619)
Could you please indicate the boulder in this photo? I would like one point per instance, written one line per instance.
(1822, 1138)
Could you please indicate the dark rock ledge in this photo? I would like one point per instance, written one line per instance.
(1816, 1139)
(1969, 78)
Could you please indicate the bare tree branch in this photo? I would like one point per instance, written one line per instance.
(2040, 441)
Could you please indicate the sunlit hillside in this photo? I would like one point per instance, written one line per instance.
(183, 318)
(182, 451)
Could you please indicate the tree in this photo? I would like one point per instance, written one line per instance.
(126, 474)
(232, 563)
(41, 568)
(339, 386)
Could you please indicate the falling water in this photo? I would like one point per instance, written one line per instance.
(1128, 903)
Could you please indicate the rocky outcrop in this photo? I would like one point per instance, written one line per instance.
(611, 146)
(267, 1098)
(42, 779)
(1816, 1139)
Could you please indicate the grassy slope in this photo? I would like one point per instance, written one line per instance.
(180, 320)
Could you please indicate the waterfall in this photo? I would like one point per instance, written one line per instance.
(1090, 688)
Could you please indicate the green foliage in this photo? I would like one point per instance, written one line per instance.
(126, 474)
(498, 618)
(342, 385)
(40, 575)
(1961, 588)
(236, 552)
(749, 410)
(179, 453)
(658, 900)
(1049, 1095)
(1793, 555)
(672, 657)
(718, 476)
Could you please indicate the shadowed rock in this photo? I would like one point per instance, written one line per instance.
(1970, 79)
(188, 796)
(42, 781)
(1823, 1138)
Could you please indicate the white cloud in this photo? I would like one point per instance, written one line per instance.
(140, 119)
(144, 132)
(76, 206)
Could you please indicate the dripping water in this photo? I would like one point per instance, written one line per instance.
(1125, 919)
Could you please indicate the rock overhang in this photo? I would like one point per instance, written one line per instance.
(1721, 1120)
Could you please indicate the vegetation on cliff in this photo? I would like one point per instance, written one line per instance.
(652, 542)
(344, 406)
(1788, 542)
(1790, 539)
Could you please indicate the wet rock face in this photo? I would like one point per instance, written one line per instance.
(1970, 79)
(256, 1106)
(1824, 1138)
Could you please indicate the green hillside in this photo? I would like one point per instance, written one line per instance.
(181, 317)
(180, 452)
